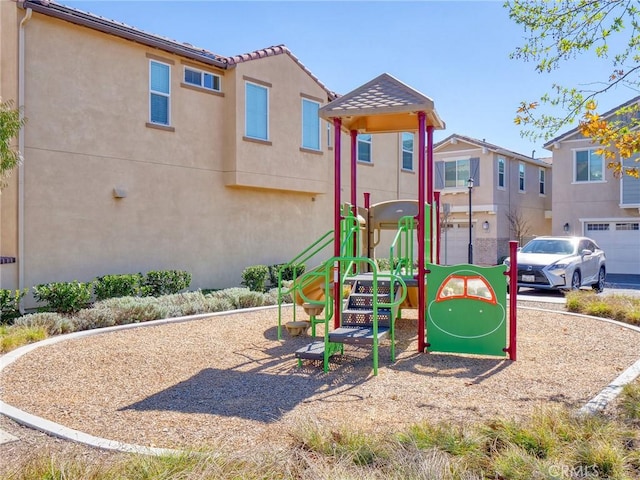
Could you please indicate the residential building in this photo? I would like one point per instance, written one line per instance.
(510, 199)
(144, 153)
(589, 200)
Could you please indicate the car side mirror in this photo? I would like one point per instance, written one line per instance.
(586, 252)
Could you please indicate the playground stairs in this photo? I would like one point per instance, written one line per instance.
(357, 325)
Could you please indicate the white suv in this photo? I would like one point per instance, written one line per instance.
(561, 263)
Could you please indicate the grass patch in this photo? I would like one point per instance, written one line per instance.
(616, 307)
(14, 336)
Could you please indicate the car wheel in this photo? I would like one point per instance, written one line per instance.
(575, 281)
(599, 285)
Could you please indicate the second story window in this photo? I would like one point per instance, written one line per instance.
(256, 111)
(407, 151)
(159, 93)
(456, 173)
(521, 178)
(588, 167)
(202, 79)
(501, 172)
(541, 182)
(364, 148)
(310, 125)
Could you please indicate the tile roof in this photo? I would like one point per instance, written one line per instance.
(277, 50)
(184, 49)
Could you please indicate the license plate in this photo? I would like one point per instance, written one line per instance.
(528, 278)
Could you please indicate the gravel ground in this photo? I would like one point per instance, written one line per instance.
(227, 382)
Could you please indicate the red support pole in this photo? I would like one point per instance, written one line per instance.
(436, 201)
(513, 300)
(430, 185)
(421, 231)
(337, 295)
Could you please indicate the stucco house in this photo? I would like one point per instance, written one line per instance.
(510, 198)
(589, 200)
(145, 153)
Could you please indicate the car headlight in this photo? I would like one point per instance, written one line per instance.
(558, 266)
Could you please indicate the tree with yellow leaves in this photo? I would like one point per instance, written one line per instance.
(561, 30)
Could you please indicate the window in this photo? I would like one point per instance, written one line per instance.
(521, 178)
(256, 111)
(456, 173)
(541, 181)
(310, 125)
(364, 147)
(201, 79)
(501, 172)
(597, 227)
(407, 151)
(159, 93)
(627, 226)
(589, 167)
(329, 126)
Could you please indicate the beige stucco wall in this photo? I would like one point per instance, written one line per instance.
(575, 201)
(87, 135)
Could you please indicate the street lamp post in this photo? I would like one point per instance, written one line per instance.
(470, 187)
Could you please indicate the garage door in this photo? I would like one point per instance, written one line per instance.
(620, 241)
(454, 248)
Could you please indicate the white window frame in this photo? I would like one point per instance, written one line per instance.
(246, 116)
(502, 162)
(319, 145)
(162, 94)
(542, 182)
(590, 151)
(522, 177)
(403, 151)
(202, 76)
(369, 142)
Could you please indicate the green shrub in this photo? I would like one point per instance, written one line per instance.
(165, 282)
(10, 304)
(289, 272)
(254, 277)
(53, 323)
(63, 297)
(123, 285)
(125, 310)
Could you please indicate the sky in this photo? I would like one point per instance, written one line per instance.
(455, 52)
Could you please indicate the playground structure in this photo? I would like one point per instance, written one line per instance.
(357, 302)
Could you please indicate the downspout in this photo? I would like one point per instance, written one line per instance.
(21, 68)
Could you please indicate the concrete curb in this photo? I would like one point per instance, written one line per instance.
(594, 405)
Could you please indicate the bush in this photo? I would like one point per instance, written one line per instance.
(111, 286)
(63, 297)
(53, 323)
(289, 272)
(10, 304)
(255, 277)
(165, 282)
